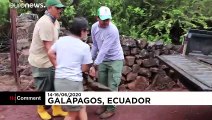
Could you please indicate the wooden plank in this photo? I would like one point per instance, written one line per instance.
(13, 44)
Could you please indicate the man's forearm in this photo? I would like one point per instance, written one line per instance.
(51, 54)
(52, 57)
(53, 61)
(47, 45)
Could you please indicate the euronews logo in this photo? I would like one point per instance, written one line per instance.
(22, 4)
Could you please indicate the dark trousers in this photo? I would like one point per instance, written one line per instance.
(44, 79)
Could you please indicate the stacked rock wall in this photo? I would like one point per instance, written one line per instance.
(142, 70)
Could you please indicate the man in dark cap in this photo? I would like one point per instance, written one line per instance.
(45, 33)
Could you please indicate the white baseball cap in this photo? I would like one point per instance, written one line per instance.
(104, 13)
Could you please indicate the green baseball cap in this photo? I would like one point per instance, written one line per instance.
(56, 3)
(104, 13)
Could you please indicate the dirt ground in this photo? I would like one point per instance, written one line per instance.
(28, 112)
(7, 83)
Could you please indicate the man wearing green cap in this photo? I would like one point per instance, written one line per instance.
(109, 60)
(45, 33)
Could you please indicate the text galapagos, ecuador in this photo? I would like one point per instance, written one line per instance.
(99, 100)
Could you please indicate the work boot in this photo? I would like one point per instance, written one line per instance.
(107, 114)
(57, 111)
(101, 110)
(43, 113)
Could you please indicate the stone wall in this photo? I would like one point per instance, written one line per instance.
(142, 70)
(25, 24)
(5, 64)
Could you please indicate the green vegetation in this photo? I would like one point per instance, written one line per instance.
(4, 19)
(153, 20)
(4, 12)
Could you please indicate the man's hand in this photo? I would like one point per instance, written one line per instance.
(92, 72)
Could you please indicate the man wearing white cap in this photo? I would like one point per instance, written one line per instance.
(107, 54)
